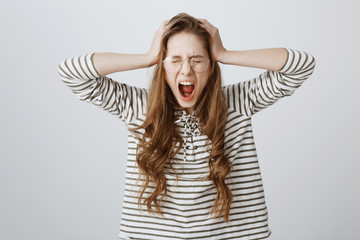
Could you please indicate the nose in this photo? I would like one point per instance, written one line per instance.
(186, 67)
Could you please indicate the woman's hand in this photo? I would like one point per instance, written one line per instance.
(154, 51)
(217, 48)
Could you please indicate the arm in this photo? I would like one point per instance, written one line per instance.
(272, 59)
(85, 76)
(121, 100)
(250, 97)
(287, 69)
(106, 63)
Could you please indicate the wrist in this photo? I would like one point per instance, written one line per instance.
(150, 59)
(221, 57)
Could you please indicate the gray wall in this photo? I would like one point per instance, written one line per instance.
(62, 161)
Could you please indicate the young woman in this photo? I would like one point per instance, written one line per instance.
(192, 168)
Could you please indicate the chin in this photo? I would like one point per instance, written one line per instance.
(186, 104)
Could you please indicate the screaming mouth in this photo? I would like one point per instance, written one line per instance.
(186, 89)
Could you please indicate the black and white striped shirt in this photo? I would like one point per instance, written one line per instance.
(189, 201)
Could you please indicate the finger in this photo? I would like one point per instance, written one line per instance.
(203, 21)
(163, 26)
(204, 24)
(167, 25)
(208, 26)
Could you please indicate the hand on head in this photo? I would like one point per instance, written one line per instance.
(217, 48)
(155, 45)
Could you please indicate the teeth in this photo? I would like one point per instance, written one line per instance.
(186, 83)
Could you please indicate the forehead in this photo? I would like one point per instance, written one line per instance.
(186, 44)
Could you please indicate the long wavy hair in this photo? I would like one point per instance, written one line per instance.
(161, 142)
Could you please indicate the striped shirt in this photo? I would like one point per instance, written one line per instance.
(189, 200)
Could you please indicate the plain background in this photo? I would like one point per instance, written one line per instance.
(63, 161)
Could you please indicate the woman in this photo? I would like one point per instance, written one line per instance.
(192, 169)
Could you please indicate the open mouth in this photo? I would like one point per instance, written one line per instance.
(186, 90)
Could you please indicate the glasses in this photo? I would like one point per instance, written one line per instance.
(198, 64)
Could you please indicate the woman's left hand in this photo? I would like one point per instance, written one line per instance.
(217, 48)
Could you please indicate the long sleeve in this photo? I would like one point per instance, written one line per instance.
(124, 101)
(249, 97)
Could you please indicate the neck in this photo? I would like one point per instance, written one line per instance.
(189, 110)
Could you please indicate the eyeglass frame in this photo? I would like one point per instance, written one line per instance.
(191, 62)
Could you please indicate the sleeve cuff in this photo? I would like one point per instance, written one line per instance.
(93, 66)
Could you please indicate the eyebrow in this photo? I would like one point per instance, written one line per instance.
(190, 57)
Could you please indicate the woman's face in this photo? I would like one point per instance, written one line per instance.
(186, 84)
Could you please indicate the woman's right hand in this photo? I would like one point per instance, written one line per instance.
(107, 63)
(154, 51)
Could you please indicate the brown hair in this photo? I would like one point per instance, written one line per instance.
(157, 146)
